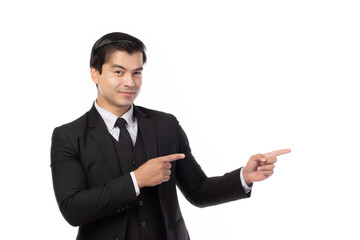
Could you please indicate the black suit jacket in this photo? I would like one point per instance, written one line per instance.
(94, 190)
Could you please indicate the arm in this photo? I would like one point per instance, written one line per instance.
(78, 203)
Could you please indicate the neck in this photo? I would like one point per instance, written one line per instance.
(117, 110)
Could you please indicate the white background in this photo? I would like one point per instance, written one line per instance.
(272, 74)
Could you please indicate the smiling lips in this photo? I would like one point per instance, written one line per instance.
(127, 94)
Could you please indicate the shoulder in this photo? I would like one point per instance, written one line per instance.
(79, 122)
(155, 114)
(75, 127)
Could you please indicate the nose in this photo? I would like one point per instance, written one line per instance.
(128, 80)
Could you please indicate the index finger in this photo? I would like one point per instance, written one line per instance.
(172, 157)
(277, 153)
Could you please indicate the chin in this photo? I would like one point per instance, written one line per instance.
(124, 104)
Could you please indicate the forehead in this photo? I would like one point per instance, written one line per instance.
(125, 59)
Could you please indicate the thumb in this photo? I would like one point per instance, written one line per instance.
(258, 157)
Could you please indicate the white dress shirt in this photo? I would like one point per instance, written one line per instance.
(132, 127)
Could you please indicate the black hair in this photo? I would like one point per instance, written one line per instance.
(112, 42)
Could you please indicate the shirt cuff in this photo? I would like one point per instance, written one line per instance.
(244, 185)
(137, 190)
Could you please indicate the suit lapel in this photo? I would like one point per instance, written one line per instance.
(103, 139)
(148, 132)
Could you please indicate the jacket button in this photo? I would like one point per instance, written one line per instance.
(127, 207)
(141, 203)
(133, 162)
(143, 223)
(123, 209)
(116, 239)
(118, 210)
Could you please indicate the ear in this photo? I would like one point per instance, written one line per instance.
(94, 75)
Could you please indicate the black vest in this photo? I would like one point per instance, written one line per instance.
(145, 221)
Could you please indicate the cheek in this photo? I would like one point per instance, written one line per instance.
(138, 83)
(108, 84)
(111, 82)
(106, 88)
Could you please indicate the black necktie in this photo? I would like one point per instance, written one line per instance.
(124, 136)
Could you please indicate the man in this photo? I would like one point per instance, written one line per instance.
(116, 168)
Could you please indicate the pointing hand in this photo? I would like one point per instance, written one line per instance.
(261, 166)
(156, 171)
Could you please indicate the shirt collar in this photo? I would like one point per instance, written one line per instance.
(110, 118)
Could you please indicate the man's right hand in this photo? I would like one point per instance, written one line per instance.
(156, 171)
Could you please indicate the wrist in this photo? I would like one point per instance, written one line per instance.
(138, 179)
(246, 177)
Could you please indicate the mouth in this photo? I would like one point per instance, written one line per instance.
(127, 94)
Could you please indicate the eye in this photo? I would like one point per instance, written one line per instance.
(138, 74)
(119, 72)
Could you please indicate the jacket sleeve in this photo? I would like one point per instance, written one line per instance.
(78, 203)
(200, 190)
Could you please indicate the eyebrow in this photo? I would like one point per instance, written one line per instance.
(119, 66)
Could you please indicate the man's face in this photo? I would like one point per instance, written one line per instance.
(120, 81)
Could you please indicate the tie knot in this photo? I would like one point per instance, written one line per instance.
(121, 123)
